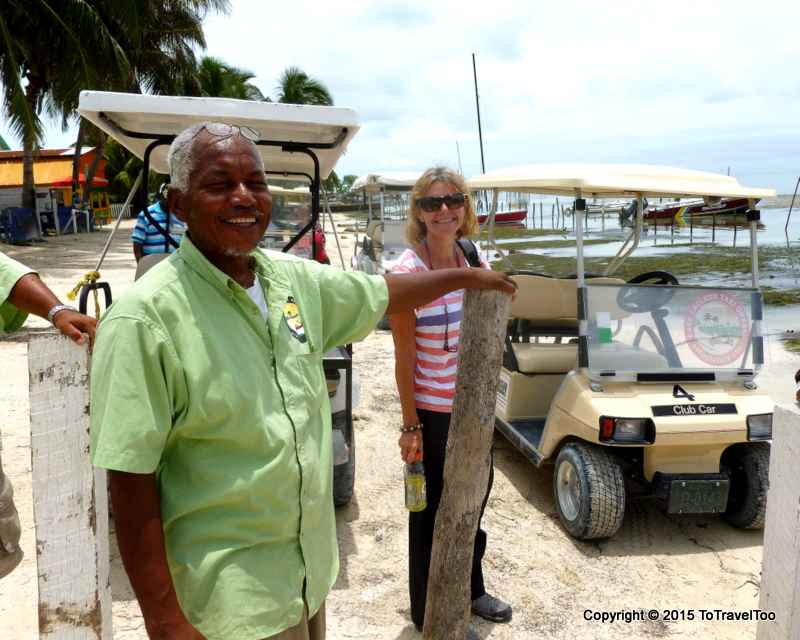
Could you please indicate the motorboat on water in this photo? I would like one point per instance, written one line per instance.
(699, 209)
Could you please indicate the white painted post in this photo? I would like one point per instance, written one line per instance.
(70, 501)
(780, 576)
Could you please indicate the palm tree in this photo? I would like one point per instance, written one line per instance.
(159, 39)
(218, 79)
(296, 87)
(54, 52)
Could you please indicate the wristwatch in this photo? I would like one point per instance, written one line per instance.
(56, 310)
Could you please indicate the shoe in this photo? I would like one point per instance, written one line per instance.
(490, 608)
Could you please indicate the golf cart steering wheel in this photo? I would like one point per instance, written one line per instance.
(636, 300)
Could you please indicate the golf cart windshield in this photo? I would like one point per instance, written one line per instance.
(661, 332)
(291, 213)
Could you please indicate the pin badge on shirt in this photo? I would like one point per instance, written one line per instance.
(291, 313)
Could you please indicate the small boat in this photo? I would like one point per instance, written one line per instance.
(505, 217)
(697, 209)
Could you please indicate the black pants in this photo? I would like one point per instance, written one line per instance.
(420, 524)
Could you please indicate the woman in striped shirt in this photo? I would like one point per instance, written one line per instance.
(426, 354)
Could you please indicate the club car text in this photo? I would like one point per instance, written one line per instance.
(665, 410)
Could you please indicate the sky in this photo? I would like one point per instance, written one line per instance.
(702, 84)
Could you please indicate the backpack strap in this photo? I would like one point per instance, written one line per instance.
(470, 251)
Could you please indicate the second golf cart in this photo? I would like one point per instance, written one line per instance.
(298, 143)
(645, 383)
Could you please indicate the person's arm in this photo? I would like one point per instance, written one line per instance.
(405, 360)
(411, 290)
(32, 295)
(138, 251)
(140, 535)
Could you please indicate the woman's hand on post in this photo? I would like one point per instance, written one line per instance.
(410, 446)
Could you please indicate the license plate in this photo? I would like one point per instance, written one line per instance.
(694, 409)
(698, 496)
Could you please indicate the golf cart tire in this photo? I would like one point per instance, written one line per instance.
(601, 500)
(748, 465)
(344, 477)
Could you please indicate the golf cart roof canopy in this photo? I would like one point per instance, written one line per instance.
(283, 191)
(614, 181)
(397, 180)
(136, 120)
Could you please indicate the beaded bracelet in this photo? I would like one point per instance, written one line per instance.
(411, 428)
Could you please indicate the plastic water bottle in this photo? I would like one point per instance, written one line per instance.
(416, 497)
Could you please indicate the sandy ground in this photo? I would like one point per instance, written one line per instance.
(656, 561)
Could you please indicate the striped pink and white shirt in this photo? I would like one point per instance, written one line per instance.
(435, 370)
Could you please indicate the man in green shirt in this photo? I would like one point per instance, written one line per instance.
(21, 293)
(210, 408)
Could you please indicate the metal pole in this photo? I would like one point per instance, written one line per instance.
(754, 216)
(458, 153)
(579, 211)
(791, 206)
(713, 227)
(478, 109)
(541, 214)
(131, 193)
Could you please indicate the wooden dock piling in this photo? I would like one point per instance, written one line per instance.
(466, 470)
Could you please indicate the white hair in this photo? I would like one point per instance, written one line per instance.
(182, 155)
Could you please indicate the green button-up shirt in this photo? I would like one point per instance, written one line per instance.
(232, 414)
(11, 318)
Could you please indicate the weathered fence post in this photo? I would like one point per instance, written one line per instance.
(70, 502)
(466, 469)
(780, 576)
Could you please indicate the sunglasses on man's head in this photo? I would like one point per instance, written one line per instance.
(430, 204)
(223, 131)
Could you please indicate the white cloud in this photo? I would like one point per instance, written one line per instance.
(699, 84)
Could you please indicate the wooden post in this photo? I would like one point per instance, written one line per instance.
(466, 469)
(780, 581)
(70, 502)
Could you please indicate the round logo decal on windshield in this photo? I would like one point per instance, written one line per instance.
(717, 327)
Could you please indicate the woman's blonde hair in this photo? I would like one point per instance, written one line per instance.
(415, 227)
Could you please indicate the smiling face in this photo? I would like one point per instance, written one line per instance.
(445, 222)
(227, 205)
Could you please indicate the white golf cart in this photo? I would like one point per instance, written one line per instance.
(648, 380)
(384, 235)
(298, 143)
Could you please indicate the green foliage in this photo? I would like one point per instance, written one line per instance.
(296, 87)
(347, 182)
(122, 168)
(218, 79)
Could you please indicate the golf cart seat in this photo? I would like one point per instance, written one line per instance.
(375, 235)
(148, 262)
(549, 307)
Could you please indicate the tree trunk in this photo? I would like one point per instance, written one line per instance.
(76, 158)
(99, 150)
(30, 143)
(466, 469)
